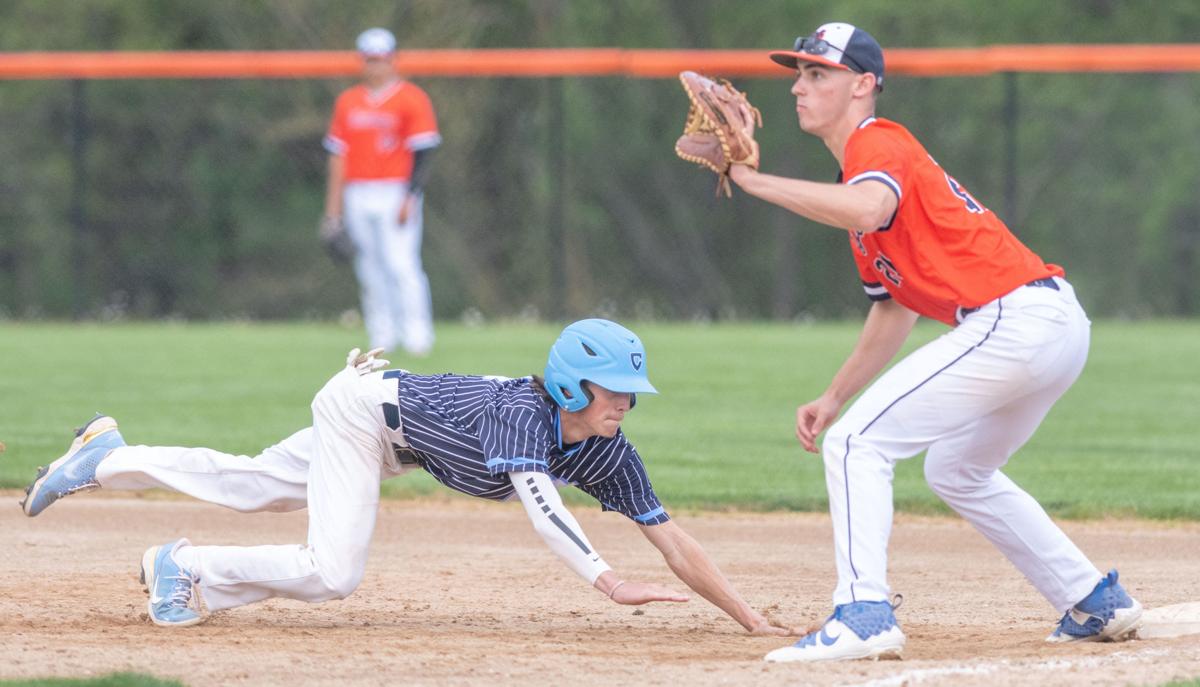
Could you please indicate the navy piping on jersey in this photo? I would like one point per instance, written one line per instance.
(901, 397)
(887, 180)
(876, 291)
(880, 176)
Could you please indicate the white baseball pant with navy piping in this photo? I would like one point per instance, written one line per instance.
(333, 468)
(970, 399)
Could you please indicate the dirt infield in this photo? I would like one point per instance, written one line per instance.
(466, 594)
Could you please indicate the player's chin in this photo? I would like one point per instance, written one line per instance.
(609, 428)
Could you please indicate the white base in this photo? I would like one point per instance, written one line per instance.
(1171, 621)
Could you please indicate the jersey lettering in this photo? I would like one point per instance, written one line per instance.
(967, 199)
(888, 269)
(858, 242)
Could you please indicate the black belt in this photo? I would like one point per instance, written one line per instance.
(1044, 282)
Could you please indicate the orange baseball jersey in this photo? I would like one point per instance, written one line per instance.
(942, 249)
(377, 132)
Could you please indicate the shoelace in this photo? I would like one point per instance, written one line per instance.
(82, 487)
(181, 593)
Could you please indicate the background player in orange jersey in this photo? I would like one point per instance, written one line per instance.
(380, 140)
(924, 246)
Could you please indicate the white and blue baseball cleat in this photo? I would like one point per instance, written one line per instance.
(1108, 614)
(173, 599)
(862, 629)
(76, 469)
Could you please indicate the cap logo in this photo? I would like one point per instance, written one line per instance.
(636, 359)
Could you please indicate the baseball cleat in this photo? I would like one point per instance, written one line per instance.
(1108, 614)
(76, 469)
(173, 600)
(862, 629)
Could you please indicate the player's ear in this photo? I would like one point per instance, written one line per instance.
(865, 85)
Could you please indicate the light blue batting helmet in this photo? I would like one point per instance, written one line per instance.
(601, 352)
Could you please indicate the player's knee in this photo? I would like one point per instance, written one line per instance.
(937, 480)
(835, 445)
(342, 582)
(948, 482)
(335, 394)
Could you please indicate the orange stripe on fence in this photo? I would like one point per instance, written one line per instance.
(585, 62)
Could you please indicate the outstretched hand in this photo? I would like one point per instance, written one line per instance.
(638, 593)
(769, 627)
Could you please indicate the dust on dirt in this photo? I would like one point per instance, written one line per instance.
(464, 593)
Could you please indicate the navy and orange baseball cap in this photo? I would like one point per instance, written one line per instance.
(838, 45)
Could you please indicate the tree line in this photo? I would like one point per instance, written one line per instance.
(562, 197)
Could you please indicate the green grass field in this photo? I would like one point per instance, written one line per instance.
(720, 435)
(113, 680)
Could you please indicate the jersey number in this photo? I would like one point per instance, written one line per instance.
(887, 268)
(967, 199)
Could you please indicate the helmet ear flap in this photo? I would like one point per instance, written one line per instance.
(566, 392)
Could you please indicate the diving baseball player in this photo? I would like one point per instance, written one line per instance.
(490, 437)
(380, 142)
(924, 245)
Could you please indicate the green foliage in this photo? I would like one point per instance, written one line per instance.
(112, 680)
(719, 435)
(561, 197)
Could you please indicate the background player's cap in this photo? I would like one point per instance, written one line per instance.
(376, 41)
(837, 45)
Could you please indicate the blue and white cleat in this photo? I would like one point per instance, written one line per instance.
(1108, 614)
(862, 629)
(173, 600)
(76, 469)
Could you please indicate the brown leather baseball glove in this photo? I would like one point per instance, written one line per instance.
(719, 131)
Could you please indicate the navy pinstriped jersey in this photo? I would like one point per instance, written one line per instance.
(469, 432)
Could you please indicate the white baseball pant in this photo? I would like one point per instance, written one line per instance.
(393, 286)
(970, 399)
(334, 468)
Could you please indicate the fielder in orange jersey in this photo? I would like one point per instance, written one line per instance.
(924, 245)
(380, 140)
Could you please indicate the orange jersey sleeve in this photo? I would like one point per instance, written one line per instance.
(942, 249)
(377, 131)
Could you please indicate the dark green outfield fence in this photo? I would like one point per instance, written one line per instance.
(561, 197)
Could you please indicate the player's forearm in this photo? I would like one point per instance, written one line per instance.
(887, 326)
(557, 527)
(420, 169)
(688, 560)
(856, 207)
(334, 184)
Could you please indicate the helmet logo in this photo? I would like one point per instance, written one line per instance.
(636, 359)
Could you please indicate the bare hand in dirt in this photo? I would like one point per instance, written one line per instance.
(638, 593)
(769, 627)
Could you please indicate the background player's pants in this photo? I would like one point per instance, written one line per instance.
(970, 399)
(394, 289)
(334, 468)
